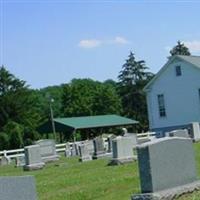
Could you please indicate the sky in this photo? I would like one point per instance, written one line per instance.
(50, 42)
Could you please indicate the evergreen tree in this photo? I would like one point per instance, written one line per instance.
(180, 49)
(16, 101)
(132, 78)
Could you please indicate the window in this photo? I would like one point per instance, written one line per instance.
(178, 71)
(199, 94)
(161, 105)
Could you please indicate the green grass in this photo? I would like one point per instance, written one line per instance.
(94, 180)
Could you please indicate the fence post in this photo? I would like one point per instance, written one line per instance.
(5, 153)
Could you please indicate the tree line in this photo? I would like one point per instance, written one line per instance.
(23, 110)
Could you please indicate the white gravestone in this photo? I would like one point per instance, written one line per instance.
(84, 153)
(123, 151)
(48, 150)
(33, 159)
(67, 150)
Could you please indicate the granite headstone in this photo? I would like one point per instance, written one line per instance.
(166, 168)
(33, 159)
(17, 188)
(84, 153)
(99, 151)
(48, 150)
(123, 150)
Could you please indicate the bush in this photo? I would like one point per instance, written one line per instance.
(4, 141)
(15, 132)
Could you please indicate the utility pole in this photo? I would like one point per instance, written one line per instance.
(51, 100)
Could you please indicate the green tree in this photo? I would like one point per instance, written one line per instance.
(16, 101)
(132, 78)
(180, 49)
(106, 101)
(15, 133)
(85, 97)
(4, 141)
(78, 97)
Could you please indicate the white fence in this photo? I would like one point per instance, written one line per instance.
(20, 152)
(61, 147)
(147, 135)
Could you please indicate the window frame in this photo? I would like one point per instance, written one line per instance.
(178, 70)
(161, 105)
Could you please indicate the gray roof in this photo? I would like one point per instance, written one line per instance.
(194, 60)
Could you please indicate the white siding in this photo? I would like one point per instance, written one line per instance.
(181, 96)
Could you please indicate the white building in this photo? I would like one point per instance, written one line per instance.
(173, 95)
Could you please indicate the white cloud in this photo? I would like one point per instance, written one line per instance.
(120, 40)
(193, 46)
(90, 43)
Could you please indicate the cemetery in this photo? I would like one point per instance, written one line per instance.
(164, 168)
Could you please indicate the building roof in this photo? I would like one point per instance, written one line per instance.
(194, 60)
(88, 122)
(95, 121)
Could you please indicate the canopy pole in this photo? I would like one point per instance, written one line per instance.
(74, 135)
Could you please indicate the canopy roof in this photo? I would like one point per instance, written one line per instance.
(74, 123)
(95, 121)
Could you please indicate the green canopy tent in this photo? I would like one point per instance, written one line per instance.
(72, 124)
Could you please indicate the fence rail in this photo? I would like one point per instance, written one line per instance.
(13, 153)
(147, 135)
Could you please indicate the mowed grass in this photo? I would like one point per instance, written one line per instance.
(68, 179)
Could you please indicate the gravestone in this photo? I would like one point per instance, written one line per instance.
(17, 188)
(73, 150)
(178, 133)
(99, 151)
(20, 161)
(90, 146)
(123, 151)
(48, 150)
(84, 153)
(67, 150)
(33, 159)
(4, 160)
(166, 168)
(109, 139)
(195, 131)
(77, 148)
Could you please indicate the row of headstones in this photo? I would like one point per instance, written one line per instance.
(166, 167)
(119, 148)
(122, 149)
(35, 156)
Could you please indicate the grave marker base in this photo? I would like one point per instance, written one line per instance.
(121, 161)
(85, 158)
(168, 194)
(103, 155)
(50, 158)
(34, 166)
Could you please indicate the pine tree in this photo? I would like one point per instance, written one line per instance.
(180, 49)
(132, 78)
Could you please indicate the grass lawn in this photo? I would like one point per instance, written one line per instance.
(68, 179)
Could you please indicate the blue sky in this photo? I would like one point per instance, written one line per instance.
(51, 42)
